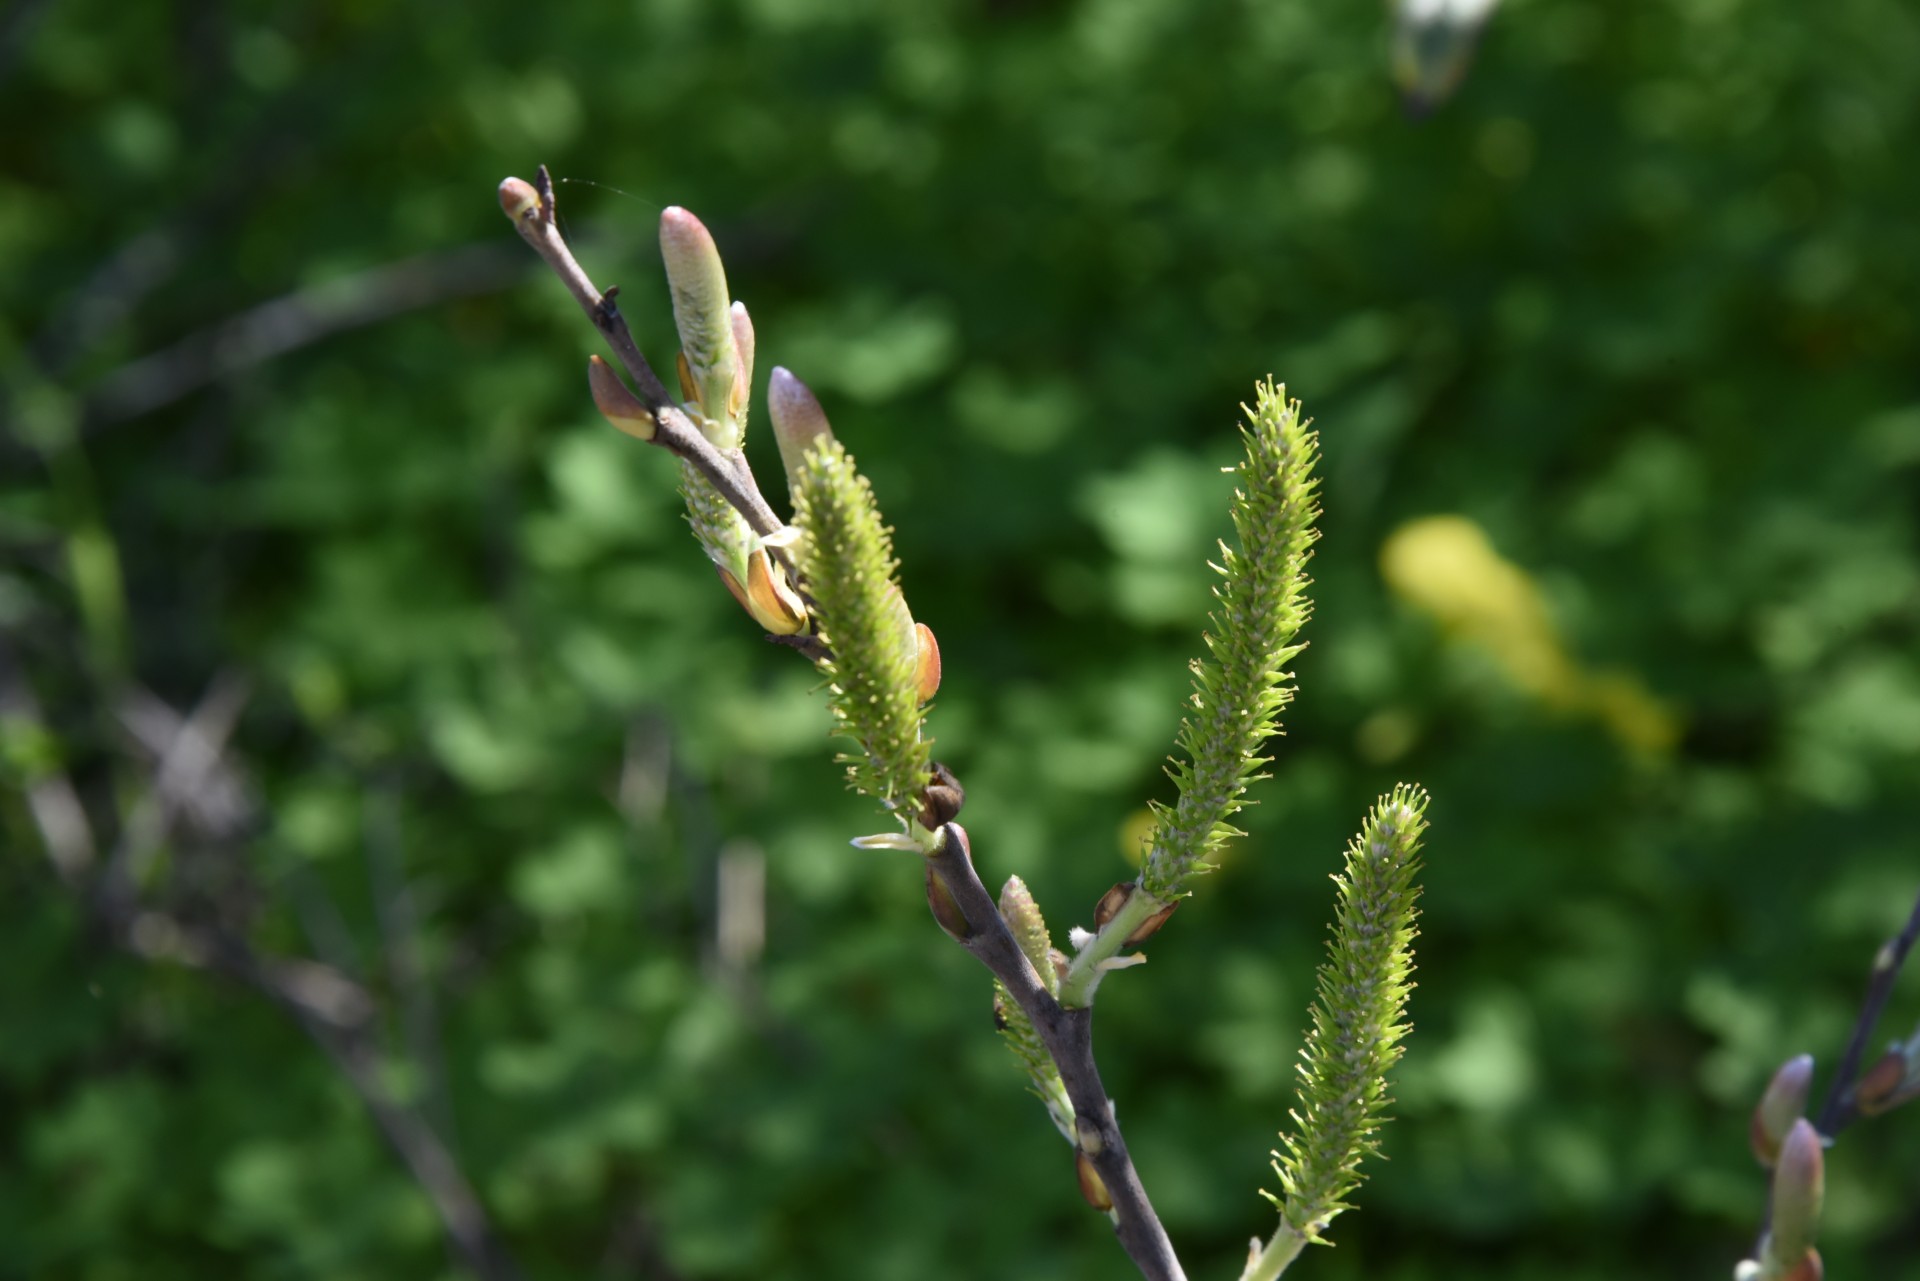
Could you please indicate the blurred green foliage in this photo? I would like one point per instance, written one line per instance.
(1639, 303)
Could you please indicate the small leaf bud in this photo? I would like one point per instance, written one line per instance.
(1879, 1087)
(518, 198)
(1783, 1103)
(946, 909)
(616, 404)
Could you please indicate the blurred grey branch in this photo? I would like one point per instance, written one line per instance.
(296, 320)
(194, 790)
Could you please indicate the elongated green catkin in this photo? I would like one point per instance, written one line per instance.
(1357, 1025)
(848, 566)
(1240, 688)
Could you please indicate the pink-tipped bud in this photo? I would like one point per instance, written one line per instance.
(518, 199)
(798, 420)
(743, 353)
(1799, 1186)
(703, 314)
(1783, 1103)
(616, 404)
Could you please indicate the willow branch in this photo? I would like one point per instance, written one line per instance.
(1841, 1109)
(674, 431)
(1068, 1037)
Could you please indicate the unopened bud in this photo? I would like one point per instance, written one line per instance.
(1881, 1086)
(703, 315)
(1783, 1103)
(743, 354)
(946, 909)
(1799, 1185)
(518, 198)
(616, 404)
(798, 420)
(1091, 1186)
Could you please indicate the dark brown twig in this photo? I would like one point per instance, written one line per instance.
(1068, 1036)
(1841, 1109)
(674, 431)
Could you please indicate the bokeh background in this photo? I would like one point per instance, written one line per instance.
(1616, 363)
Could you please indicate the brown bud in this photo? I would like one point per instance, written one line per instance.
(940, 802)
(1091, 1186)
(616, 404)
(518, 198)
(1110, 904)
(946, 909)
(929, 661)
(1879, 1086)
(1000, 1019)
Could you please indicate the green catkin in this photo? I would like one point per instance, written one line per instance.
(1241, 687)
(1357, 1017)
(847, 563)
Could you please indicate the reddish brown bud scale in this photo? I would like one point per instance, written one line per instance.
(1880, 1084)
(1110, 904)
(1151, 926)
(942, 798)
(928, 662)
